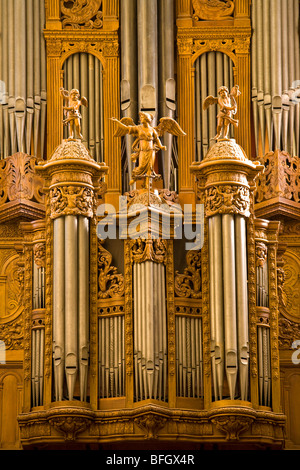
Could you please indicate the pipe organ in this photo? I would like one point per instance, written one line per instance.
(23, 102)
(118, 324)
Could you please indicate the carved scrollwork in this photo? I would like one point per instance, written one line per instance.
(232, 426)
(81, 14)
(212, 9)
(111, 284)
(151, 424)
(145, 250)
(18, 179)
(288, 332)
(70, 426)
(71, 200)
(281, 177)
(188, 284)
(228, 199)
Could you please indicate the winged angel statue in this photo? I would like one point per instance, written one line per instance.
(73, 116)
(147, 141)
(228, 108)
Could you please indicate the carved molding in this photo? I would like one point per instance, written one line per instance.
(188, 284)
(66, 423)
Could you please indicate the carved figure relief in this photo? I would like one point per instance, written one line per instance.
(212, 9)
(71, 111)
(71, 200)
(39, 253)
(147, 142)
(228, 108)
(144, 250)
(233, 199)
(81, 14)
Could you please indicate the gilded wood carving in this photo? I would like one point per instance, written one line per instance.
(188, 284)
(111, 284)
(212, 9)
(81, 14)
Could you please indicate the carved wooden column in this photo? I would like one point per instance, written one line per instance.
(72, 183)
(186, 120)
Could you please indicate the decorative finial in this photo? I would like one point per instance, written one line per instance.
(228, 108)
(147, 142)
(71, 111)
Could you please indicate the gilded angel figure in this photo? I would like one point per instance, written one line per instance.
(228, 108)
(73, 116)
(147, 141)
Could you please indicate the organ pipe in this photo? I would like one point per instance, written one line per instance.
(23, 106)
(150, 335)
(275, 72)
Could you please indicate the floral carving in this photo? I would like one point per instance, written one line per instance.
(71, 200)
(82, 14)
(288, 332)
(212, 9)
(111, 284)
(232, 199)
(188, 284)
(18, 179)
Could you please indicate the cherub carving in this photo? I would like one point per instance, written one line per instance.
(147, 141)
(228, 108)
(73, 118)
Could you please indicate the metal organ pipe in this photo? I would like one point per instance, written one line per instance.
(23, 107)
(275, 72)
(150, 340)
(228, 304)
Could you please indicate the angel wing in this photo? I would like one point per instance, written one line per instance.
(121, 131)
(209, 100)
(65, 94)
(84, 101)
(167, 124)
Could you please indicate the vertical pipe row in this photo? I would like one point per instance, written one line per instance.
(23, 106)
(228, 304)
(219, 68)
(111, 357)
(275, 75)
(150, 333)
(189, 357)
(84, 72)
(71, 305)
